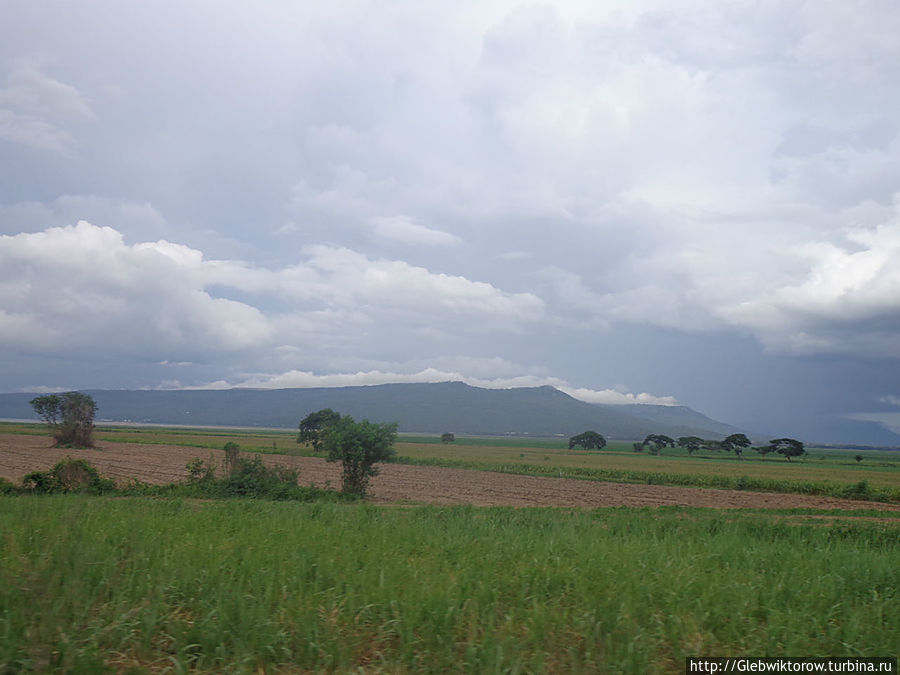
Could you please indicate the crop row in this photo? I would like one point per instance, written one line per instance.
(859, 490)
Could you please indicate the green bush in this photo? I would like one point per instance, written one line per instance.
(248, 478)
(68, 475)
(860, 490)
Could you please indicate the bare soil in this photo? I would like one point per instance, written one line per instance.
(21, 454)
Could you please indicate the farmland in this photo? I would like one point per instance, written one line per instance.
(436, 572)
(827, 472)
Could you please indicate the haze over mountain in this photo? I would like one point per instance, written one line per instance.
(428, 408)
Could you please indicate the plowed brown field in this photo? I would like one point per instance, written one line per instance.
(398, 483)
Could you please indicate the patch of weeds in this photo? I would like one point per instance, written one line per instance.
(860, 490)
(247, 477)
(68, 475)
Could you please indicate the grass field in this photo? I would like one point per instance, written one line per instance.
(140, 585)
(147, 585)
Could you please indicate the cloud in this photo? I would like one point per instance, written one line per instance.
(43, 389)
(407, 231)
(888, 420)
(82, 288)
(614, 397)
(35, 107)
(581, 173)
(845, 299)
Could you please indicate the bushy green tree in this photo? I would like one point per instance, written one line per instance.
(448, 438)
(690, 443)
(70, 417)
(659, 441)
(788, 447)
(737, 443)
(764, 450)
(313, 426)
(589, 440)
(358, 446)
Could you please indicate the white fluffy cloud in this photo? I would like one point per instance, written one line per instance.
(83, 288)
(844, 298)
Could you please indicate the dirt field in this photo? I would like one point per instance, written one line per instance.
(410, 484)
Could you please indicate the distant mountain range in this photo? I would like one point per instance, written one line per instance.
(426, 408)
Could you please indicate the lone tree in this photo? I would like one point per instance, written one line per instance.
(70, 417)
(589, 440)
(358, 446)
(737, 442)
(788, 447)
(690, 443)
(313, 426)
(659, 441)
(448, 438)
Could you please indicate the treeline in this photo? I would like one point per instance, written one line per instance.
(736, 443)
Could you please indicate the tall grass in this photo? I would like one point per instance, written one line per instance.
(95, 584)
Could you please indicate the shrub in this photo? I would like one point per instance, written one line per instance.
(246, 477)
(858, 490)
(68, 475)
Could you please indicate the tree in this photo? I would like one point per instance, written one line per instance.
(764, 450)
(313, 426)
(448, 438)
(858, 458)
(690, 443)
(737, 442)
(659, 441)
(589, 440)
(713, 445)
(788, 447)
(358, 446)
(70, 417)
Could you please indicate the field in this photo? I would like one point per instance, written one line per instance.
(824, 472)
(409, 484)
(437, 573)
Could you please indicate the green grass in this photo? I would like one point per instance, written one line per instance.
(139, 585)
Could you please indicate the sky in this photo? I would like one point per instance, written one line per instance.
(643, 201)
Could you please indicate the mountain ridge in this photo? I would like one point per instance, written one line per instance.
(418, 407)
